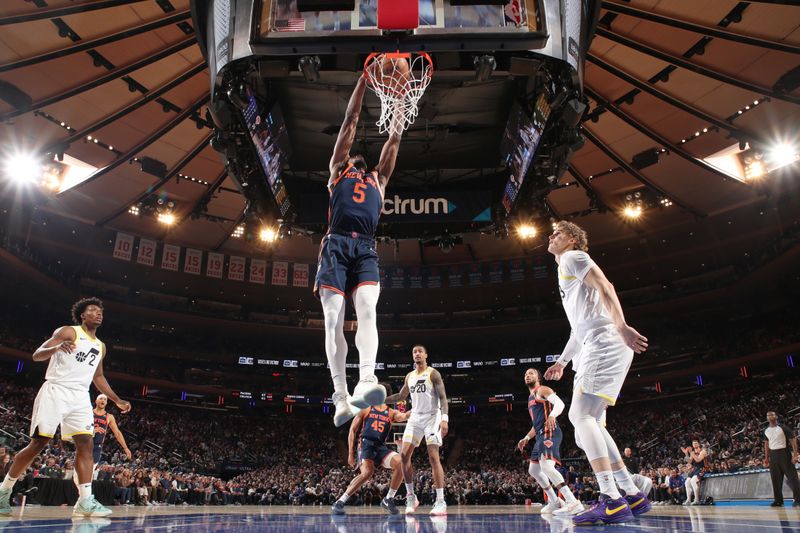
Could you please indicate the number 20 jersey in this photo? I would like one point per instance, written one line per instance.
(76, 370)
(424, 400)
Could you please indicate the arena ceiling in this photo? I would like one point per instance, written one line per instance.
(121, 84)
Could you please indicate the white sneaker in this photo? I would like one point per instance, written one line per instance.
(439, 508)
(411, 503)
(344, 411)
(368, 392)
(551, 506)
(568, 509)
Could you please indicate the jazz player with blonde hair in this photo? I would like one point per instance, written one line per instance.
(600, 347)
(75, 356)
(429, 419)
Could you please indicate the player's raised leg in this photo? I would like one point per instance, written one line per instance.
(368, 391)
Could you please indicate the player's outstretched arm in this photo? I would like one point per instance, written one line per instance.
(400, 396)
(355, 426)
(102, 385)
(608, 296)
(347, 132)
(112, 423)
(398, 417)
(63, 339)
(558, 406)
(438, 384)
(389, 152)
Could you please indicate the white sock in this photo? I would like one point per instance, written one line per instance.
(333, 308)
(551, 494)
(391, 493)
(625, 481)
(607, 486)
(440, 495)
(85, 490)
(365, 300)
(8, 482)
(344, 497)
(567, 494)
(409, 489)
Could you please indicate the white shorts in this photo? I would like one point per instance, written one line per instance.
(59, 406)
(427, 426)
(603, 364)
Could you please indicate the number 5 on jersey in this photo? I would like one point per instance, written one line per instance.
(358, 193)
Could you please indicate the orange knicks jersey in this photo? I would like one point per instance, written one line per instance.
(356, 203)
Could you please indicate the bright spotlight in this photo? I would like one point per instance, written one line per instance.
(632, 212)
(755, 169)
(268, 235)
(166, 218)
(782, 154)
(526, 231)
(23, 169)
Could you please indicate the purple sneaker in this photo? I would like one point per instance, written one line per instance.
(638, 503)
(605, 511)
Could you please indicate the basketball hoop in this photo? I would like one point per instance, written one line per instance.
(399, 91)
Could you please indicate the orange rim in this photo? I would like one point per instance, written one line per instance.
(397, 55)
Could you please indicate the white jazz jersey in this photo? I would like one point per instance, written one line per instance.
(424, 399)
(582, 304)
(76, 370)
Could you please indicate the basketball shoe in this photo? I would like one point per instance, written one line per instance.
(552, 505)
(5, 502)
(90, 507)
(337, 507)
(605, 511)
(439, 508)
(569, 509)
(638, 503)
(344, 411)
(368, 392)
(388, 504)
(411, 503)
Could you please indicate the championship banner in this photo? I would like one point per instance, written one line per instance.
(258, 271)
(214, 266)
(299, 275)
(236, 268)
(455, 276)
(170, 257)
(280, 273)
(415, 278)
(192, 261)
(433, 277)
(147, 252)
(517, 269)
(475, 274)
(540, 267)
(496, 272)
(398, 278)
(123, 248)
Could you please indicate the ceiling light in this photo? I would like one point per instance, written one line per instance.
(526, 231)
(632, 212)
(166, 218)
(782, 154)
(268, 235)
(133, 210)
(23, 169)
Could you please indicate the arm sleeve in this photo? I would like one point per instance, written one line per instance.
(576, 263)
(558, 405)
(570, 350)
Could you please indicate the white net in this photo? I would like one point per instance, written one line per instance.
(399, 80)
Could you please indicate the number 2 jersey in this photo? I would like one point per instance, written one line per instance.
(356, 203)
(76, 370)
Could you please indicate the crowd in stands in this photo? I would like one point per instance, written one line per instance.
(181, 453)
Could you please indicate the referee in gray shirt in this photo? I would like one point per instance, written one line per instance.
(777, 438)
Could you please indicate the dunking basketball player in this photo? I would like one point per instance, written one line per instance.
(375, 424)
(348, 261)
(601, 348)
(429, 418)
(544, 406)
(75, 361)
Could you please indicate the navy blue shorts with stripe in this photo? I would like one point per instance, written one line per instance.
(345, 262)
(376, 452)
(547, 446)
(97, 453)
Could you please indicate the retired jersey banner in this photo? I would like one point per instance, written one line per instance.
(170, 257)
(193, 261)
(214, 266)
(258, 271)
(540, 267)
(147, 252)
(398, 280)
(475, 274)
(496, 272)
(300, 275)
(433, 277)
(236, 268)
(280, 273)
(123, 248)
(455, 276)
(415, 277)
(517, 269)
